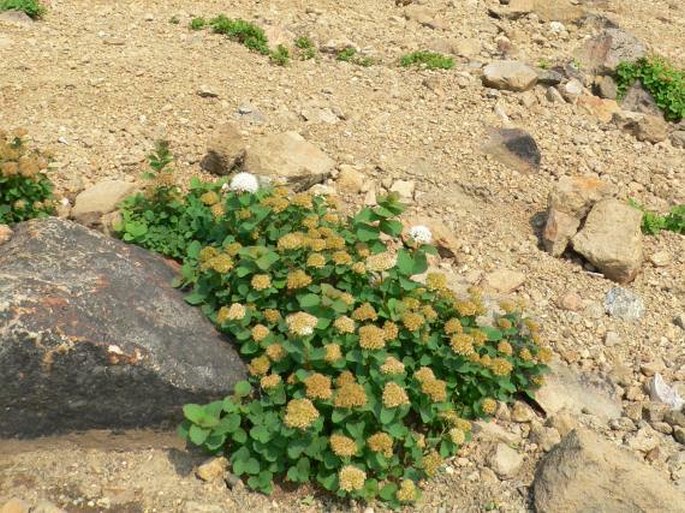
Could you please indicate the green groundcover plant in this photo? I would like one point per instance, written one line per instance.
(361, 378)
(653, 223)
(33, 8)
(427, 60)
(25, 191)
(663, 81)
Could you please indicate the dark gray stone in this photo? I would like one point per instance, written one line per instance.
(606, 87)
(604, 52)
(92, 335)
(637, 99)
(514, 147)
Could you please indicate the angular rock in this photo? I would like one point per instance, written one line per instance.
(611, 240)
(549, 77)
(92, 335)
(678, 139)
(565, 389)
(505, 461)
(493, 432)
(350, 180)
(606, 87)
(624, 304)
(212, 470)
(15, 506)
(585, 473)
(645, 127)
(547, 10)
(601, 108)
(405, 189)
(443, 237)
(576, 195)
(559, 229)
(637, 99)
(225, 150)
(15, 19)
(515, 148)
(101, 198)
(5, 233)
(572, 90)
(504, 281)
(288, 155)
(544, 437)
(603, 53)
(509, 75)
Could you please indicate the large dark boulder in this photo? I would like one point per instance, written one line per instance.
(92, 335)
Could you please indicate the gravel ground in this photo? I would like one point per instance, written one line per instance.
(97, 82)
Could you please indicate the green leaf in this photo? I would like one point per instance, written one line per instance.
(198, 435)
(405, 262)
(309, 300)
(387, 415)
(391, 227)
(493, 334)
(239, 436)
(195, 298)
(242, 388)
(228, 424)
(366, 233)
(387, 493)
(260, 433)
(267, 260)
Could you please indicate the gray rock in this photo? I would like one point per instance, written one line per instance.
(652, 129)
(611, 240)
(603, 53)
(565, 389)
(576, 195)
(624, 304)
(637, 99)
(46, 507)
(572, 90)
(606, 87)
(15, 19)
(288, 156)
(679, 321)
(100, 199)
(505, 461)
(509, 75)
(92, 335)
(200, 507)
(548, 77)
(678, 139)
(585, 473)
(225, 150)
(545, 437)
(515, 148)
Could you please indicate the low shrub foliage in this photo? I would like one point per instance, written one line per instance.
(653, 223)
(361, 379)
(352, 56)
(34, 8)
(427, 60)
(661, 79)
(25, 190)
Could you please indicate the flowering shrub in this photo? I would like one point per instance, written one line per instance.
(25, 191)
(360, 378)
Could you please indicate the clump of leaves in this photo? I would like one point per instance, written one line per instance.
(175, 20)
(241, 31)
(362, 379)
(25, 190)
(280, 56)
(351, 55)
(305, 48)
(32, 8)
(663, 81)
(197, 23)
(653, 223)
(427, 60)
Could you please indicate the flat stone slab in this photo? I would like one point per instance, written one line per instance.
(92, 335)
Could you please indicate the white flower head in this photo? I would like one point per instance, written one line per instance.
(225, 187)
(244, 182)
(421, 234)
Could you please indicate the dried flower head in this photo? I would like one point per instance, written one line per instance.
(217, 210)
(358, 268)
(341, 258)
(371, 337)
(413, 321)
(259, 366)
(318, 386)
(259, 332)
(381, 262)
(244, 182)
(436, 281)
(298, 279)
(291, 241)
(394, 395)
(271, 315)
(301, 323)
(525, 355)
(432, 463)
(429, 312)
(343, 446)
(235, 312)
(332, 353)
(344, 324)
(462, 344)
(457, 436)
(489, 406)
(345, 378)
(300, 414)
(365, 312)
(424, 374)
(392, 366)
(350, 395)
(351, 478)
(501, 367)
(270, 381)
(275, 352)
(436, 389)
(303, 200)
(381, 443)
(545, 355)
(316, 260)
(261, 281)
(453, 326)
(210, 198)
(391, 330)
(407, 491)
(421, 234)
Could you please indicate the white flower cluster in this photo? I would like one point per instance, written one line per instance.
(421, 234)
(244, 182)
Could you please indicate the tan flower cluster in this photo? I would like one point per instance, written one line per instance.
(275, 352)
(301, 323)
(343, 446)
(424, 374)
(362, 249)
(261, 281)
(233, 249)
(479, 337)
(411, 303)
(332, 353)
(381, 262)
(413, 321)
(436, 389)
(311, 222)
(429, 312)
(318, 386)
(489, 406)
(270, 381)
(436, 281)
(345, 378)
(350, 395)
(291, 241)
(432, 463)
(504, 323)
(298, 279)
(365, 312)
(505, 348)
(300, 414)
(259, 366)
(220, 262)
(453, 326)
(316, 260)
(344, 324)
(303, 200)
(525, 355)
(259, 332)
(335, 242)
(217, 210)
(381, 443)
(457, 436)
(276, 203)
(371, 337)
(407, 491)
(394, 395)
(235, 312)
(210, 198)
(331, 218)
(538, 381)
(347, 298)
(466, 308)
(341, 258)
(391, 330)
(392, 366)
(271, 315)
(545, 355)
(358, 268)
(462, 344)
(351, 478)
